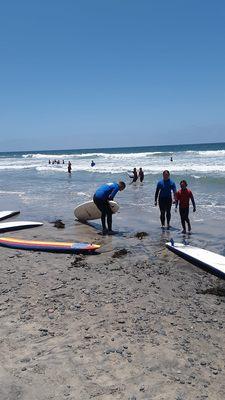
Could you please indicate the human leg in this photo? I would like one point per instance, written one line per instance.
(182, 217)
(162, 211)
(187, 218)
(168, 206)
(101, 206)
(108, 215)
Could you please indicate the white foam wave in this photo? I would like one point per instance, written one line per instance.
(196, 176)
(205, 153)
(115, 167)
(47, 156)
(52, 168)
(12, 192)
(188, 162)
(15, 167)
(82, 194)
(212, 153)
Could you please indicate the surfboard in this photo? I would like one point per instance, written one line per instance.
(7, 214)
(88, 210)
(204, 259)
(16, 225)
(55, 247)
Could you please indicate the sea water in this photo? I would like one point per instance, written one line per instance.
(46, 192)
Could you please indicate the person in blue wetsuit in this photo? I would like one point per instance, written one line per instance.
(101, 198)
(163, 192)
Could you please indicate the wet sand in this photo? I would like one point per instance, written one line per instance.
(132, 322)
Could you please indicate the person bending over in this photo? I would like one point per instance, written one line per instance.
(101, 198)
(163, 192)
(183, 197)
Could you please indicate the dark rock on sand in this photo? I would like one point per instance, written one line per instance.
(119, 253)
(141, 235)
(59, 224)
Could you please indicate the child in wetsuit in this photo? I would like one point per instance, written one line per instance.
(183, 196)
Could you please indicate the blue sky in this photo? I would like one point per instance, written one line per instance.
(103, 73)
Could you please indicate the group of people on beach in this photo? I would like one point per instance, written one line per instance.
(163, 197)
(56, 162)
(135, 175)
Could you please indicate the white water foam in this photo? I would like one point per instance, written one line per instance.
(196, 163)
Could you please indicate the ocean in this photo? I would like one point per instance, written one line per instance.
(46, 192)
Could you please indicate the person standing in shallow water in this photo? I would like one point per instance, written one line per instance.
(141, 174)
(69, 168)
(134, 176)
(163, 194)
(183, 197)
(101, 198)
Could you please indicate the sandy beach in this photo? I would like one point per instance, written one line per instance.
(132, 322)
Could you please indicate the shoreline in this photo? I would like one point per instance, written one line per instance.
(133, 322)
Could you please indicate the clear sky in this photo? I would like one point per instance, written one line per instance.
(103, 73)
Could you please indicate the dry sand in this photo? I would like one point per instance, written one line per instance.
(134, 322)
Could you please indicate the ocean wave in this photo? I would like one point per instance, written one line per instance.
(205, 153)
(196, 170)
(47, 156)
(212, 153)
(52, 168)
(15, 167)
(12, 192)
(107, 155)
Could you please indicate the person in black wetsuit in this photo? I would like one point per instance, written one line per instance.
(101, 198)
(141, 174)
(163, 193)
(69, 167)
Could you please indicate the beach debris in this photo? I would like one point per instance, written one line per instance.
(119, 253)
(216, 291)
(79, 261)
(141, 235)
(59, 224)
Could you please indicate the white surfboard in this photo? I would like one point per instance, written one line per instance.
(7, 214)
(16, 225)
(204, 259)
(88, 210)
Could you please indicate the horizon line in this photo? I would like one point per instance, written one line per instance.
(108, 148)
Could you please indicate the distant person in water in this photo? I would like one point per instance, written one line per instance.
(171, 158)
(134, 176)
(69, 167)
(101, 198)
(49, 161)
(92, 163)
(163, 193)
(141, 174)
(183, 197)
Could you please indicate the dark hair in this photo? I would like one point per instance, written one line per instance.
(166, 170)
(122, 184)
(183, 181)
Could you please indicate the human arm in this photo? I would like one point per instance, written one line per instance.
(177, 200)
(174, 189)
(115, 189)
(156, 194)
